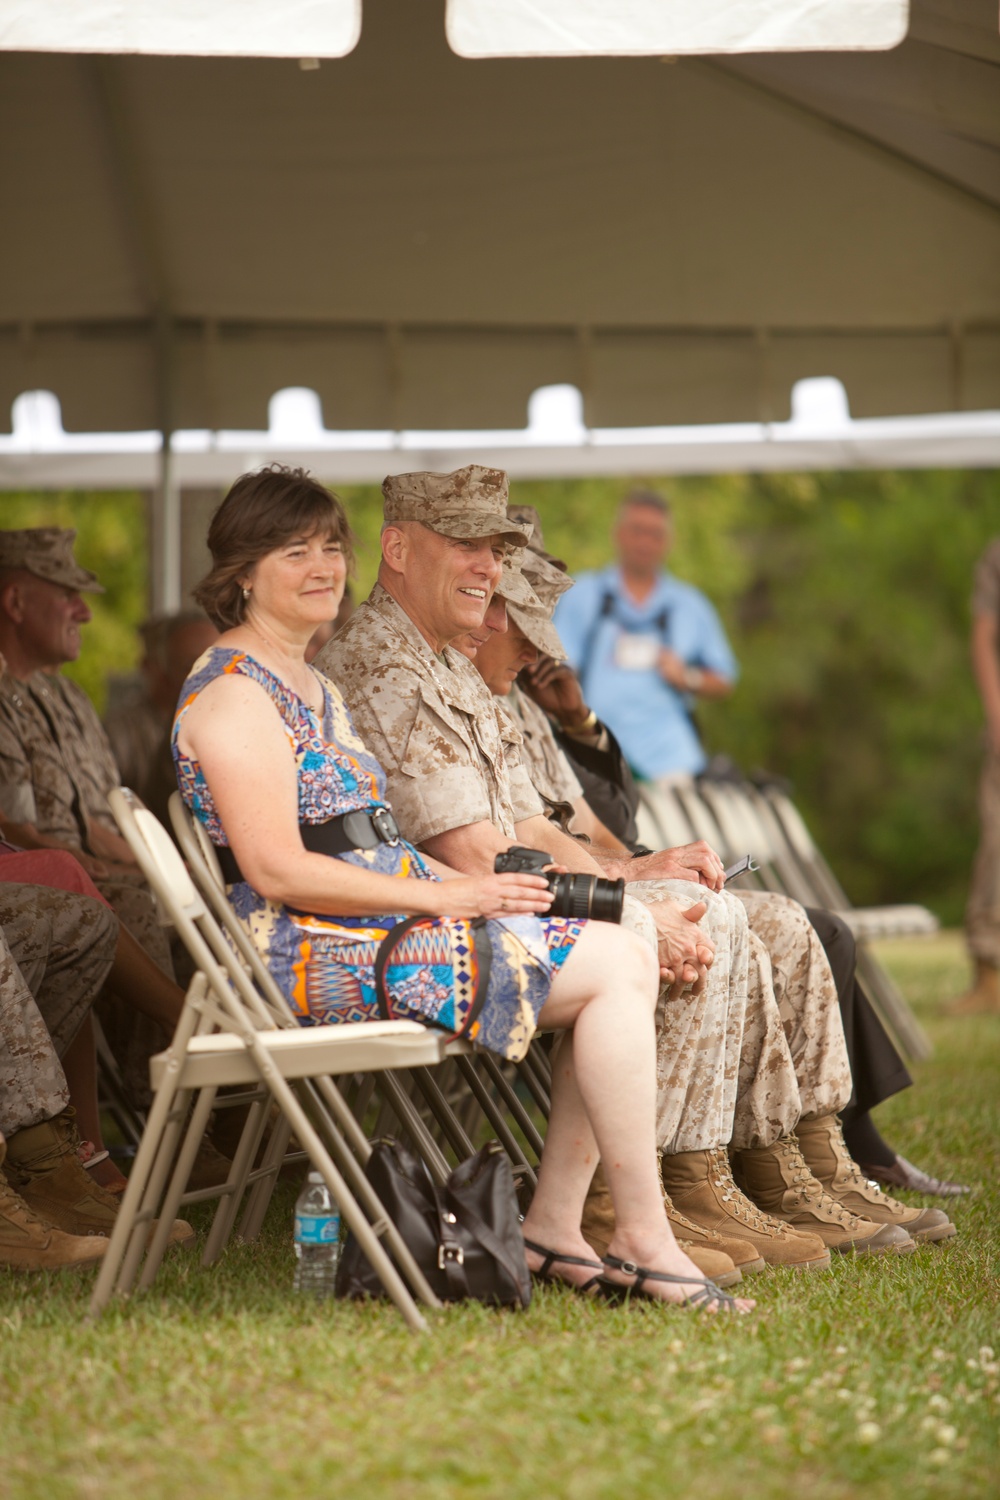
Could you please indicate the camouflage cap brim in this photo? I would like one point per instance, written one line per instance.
(71, 576)
(515, 588)
(539, 629)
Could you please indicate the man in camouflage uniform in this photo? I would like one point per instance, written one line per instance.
(794, 1071)
(458, 786)
(56, 766)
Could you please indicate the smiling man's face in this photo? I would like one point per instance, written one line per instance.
(445, 583)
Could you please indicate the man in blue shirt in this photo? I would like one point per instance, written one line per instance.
(645, 645)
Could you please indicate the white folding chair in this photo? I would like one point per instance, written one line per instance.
(203, 862)
(229, 1035)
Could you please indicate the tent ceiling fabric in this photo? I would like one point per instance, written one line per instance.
(576, 28)
(425, 240)
(244, 28)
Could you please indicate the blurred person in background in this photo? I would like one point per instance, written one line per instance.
(142, 731)
(982, 916)
(138, 724)
(645, 645)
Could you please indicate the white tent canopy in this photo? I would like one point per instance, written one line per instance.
(424, 240)
(636, 28)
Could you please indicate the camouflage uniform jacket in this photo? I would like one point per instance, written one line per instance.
(56, 767)
(551, 773)
(449, 756)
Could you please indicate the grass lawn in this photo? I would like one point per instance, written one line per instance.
(878, 1379)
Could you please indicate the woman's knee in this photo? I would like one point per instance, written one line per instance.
(636, 964)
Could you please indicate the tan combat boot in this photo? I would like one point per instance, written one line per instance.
(982, 998)
(830, 1162)
(43, 1167)
(778, 1179)
(29, 1244)
(701, 1185)
(711, 1256)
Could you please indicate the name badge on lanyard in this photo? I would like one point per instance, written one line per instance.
(636, 651)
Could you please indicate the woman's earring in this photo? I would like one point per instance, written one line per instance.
(246, 593)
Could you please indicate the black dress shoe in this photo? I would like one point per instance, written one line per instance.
(903, 1174)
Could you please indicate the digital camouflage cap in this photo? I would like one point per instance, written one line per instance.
(470, 502)
(514, 585)
(536, 620)
(47, 551)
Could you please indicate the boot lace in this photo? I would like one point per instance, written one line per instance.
(809, 1191)
(856, 1177)
(740, 1206)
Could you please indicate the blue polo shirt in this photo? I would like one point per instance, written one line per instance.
(612, 641)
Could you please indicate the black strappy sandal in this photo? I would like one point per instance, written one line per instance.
(598, 1285)
(707, 1295)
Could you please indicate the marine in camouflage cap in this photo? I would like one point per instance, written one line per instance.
(47, 552)
(470, 502)
(548, 582)
(535, 621)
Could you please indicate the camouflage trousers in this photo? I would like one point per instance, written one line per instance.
(793, 1029)
(982, 915)
(56, 948)
(762, 1044)
(132, 1037)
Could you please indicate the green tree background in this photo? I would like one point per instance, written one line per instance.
(846, 598)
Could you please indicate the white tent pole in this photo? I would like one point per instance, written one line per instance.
(165, 537)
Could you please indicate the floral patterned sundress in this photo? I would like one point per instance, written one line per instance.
(325, 965)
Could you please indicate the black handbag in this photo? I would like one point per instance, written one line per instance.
(465, 1236)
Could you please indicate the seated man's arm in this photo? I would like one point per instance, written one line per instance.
(587, 824)
(469, 850)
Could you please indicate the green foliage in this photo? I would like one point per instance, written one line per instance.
(112, 542)
(877, 1378)
(846, 598)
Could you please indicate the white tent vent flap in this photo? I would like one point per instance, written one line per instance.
(669, 28)
(194, 28)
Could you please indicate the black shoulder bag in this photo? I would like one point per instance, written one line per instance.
(465, 1235)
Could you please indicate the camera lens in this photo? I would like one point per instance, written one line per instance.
(587, 896)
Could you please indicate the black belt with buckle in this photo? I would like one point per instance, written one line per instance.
(353, 830)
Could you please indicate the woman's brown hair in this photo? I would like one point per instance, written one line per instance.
(263, 511)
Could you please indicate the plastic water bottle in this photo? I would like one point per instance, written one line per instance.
(317, 1238)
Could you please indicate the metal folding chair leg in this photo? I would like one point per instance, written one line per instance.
(410, 1122)
(489, 1108)
(515, 1108)
(260, 1195)
(449, 1123)
(171, 1202)
(240, 1169)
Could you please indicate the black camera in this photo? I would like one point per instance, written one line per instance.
(572, 895)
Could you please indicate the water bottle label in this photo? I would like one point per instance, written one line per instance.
(311, 1230)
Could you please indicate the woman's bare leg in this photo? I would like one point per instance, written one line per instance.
(604, 1099)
